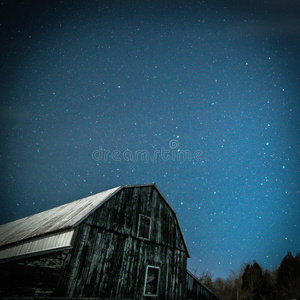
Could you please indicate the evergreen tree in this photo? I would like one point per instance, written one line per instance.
(253, 282)
(269, 291)
(288, 280)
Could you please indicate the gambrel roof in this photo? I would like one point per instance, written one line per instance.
(53, 229)
(52, 220)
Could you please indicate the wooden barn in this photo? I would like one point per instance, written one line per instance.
(124, 243)
(196, 290)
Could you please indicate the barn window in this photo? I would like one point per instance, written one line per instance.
(151, 281)
(144, 227)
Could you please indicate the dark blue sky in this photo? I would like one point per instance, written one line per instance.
(200, 97)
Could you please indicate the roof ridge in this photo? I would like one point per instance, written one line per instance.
(65, 216)
(54, 219)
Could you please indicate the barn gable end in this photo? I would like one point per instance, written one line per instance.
(118, 256)
(125, 243)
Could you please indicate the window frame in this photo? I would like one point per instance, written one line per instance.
(157, 284)
(139, 226)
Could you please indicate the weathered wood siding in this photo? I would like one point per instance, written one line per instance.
(195, 290)
(109, 260)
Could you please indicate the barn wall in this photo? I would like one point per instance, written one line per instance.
(109, 260)
(36, 276)
(197, 291)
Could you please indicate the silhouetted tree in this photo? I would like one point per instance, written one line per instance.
(269, 288)
(206, 279)
(288, 280)
(229, 288)
(253, 282)
(219, 287)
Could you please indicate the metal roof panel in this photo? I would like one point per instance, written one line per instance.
(52, 220)
(54, 241)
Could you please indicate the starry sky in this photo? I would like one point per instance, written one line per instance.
(200, 97)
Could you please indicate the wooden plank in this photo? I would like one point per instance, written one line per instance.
(109, 260)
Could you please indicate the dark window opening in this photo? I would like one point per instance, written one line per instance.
(151, 281)
(144, 227)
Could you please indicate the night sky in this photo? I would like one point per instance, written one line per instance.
(200, 97)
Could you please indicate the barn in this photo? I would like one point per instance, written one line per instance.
(123, 243)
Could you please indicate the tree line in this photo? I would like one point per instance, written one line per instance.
(251, 282)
